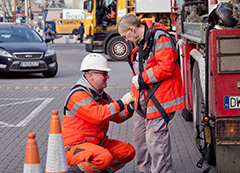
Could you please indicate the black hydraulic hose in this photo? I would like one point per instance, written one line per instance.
(183, 11)
(206, 68)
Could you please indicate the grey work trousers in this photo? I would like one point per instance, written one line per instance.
(151, 140)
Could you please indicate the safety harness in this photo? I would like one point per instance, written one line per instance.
(151, 91)
(72, 91)
(79, 87)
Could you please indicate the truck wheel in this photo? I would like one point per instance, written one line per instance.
(197, 97)
(207, 149)
(118, 49)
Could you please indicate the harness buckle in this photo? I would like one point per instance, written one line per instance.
(144, 107)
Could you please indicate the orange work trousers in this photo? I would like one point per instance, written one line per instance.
(111, 155)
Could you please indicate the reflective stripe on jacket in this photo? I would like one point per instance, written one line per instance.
(160, 58)
(87, 114)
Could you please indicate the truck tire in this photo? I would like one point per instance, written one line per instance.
(207, 149)
(118, 49)
(197, 99)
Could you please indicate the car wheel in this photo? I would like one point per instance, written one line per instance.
(118, 49)
(51, 74)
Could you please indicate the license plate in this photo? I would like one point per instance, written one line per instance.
(29, 64)
(232, 102)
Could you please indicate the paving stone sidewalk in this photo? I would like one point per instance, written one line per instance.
(15, 91)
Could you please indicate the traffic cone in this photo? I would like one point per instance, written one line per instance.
(32, 161)
(56, 159)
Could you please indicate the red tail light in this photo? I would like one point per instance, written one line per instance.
(206, 119)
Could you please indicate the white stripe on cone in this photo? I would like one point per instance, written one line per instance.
(56, 159)
(32, 168)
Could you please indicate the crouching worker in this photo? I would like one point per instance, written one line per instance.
(87, 112)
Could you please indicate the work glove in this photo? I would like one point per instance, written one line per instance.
(135, 82)
(127, 98)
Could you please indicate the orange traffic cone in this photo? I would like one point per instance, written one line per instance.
(32, 161)
(56, 159)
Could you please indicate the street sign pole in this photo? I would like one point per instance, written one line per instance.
(26, 10)
(14, 11)
(4, 10)
(43, 13)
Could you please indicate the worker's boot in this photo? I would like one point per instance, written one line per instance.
(74, 169)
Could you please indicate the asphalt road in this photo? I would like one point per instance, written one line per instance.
(27, 101)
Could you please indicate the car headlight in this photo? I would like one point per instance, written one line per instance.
(50, 52)
(5, 53)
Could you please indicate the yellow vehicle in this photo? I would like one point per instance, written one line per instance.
(111, 43)
(64, 26)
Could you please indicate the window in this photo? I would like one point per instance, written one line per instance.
(38, 1)
(88, 5)
(19, 35)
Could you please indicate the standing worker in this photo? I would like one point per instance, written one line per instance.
(75, 34)
(50, 34)
(111, 14)
(81, 31)
(157, 89)
(87, 112)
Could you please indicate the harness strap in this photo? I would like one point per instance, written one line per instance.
(151, 92)
(141, 69)
(141, 114)
(76, 88)
(151, 96)
(160, 108)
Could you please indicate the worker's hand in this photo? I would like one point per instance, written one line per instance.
(127, 98)
(135, 81)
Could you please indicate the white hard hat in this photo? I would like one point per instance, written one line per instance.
(94, 61)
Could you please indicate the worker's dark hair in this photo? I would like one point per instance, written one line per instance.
(128, 20)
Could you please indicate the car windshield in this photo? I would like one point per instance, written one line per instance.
(19, 35)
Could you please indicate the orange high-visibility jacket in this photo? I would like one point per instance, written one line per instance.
(160, 58)
(113, 8)
(87, 114)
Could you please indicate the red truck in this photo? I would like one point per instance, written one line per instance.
(208, 44)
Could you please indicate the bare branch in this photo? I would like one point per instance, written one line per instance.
(8, 9)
